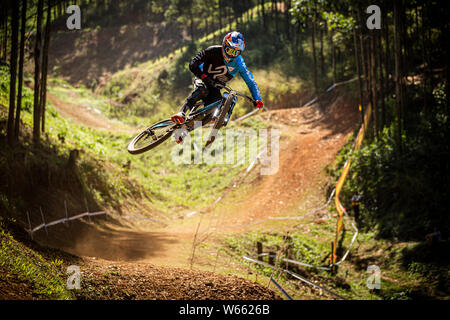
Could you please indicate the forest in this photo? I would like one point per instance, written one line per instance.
(396, 51)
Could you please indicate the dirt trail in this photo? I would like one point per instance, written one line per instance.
(313, 139)
(148, 282)
(86, 117)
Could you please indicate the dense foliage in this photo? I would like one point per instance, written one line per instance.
(404, 193)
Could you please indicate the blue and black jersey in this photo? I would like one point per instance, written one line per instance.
(210, 61)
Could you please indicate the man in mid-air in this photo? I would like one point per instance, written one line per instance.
(218, 64)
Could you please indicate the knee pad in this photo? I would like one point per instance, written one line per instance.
(199, 93)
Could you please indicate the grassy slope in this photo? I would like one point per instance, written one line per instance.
(31, 272)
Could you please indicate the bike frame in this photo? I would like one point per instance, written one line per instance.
(204, 109)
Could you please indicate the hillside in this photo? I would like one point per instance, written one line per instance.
(90, 57)
(357, 124)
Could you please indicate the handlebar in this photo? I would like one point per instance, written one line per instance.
(222, 86)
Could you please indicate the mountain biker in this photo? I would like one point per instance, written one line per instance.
(218, 63)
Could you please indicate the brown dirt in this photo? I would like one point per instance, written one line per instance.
(108, 241)
(149, 282)
(84, 116)
(12, 288)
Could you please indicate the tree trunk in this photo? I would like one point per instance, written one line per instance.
(13, 70)
(191, 16)
(37, 73)
(21, 62)
(322, 58)
(333, 56)
(424, 62)
(398, 75)
(275, 6)
(447, 73)
(206, 25)
(404, 41)
(373, 81)
(2, 29)
(313, 45)
(358, 74)
(287, 6)
(387, 53)
(220, 14)
(5, 32)
(263, 12)
(364, 57)
(43, 98)
(381, 81)
(229, 18)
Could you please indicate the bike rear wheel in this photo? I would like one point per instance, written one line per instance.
(152, 137)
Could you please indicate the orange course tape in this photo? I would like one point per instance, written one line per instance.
(340, 183)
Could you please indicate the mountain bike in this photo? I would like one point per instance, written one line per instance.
(218, 112)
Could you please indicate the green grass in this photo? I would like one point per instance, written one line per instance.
(44, 276)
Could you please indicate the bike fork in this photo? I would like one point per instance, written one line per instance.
(227, 118)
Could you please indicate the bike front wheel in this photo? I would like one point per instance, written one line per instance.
(152, 137)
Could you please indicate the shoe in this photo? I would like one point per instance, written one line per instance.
(179, 140)
(215, 115)
(180, 134)
(179, 117)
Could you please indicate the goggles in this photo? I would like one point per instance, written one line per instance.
(232, 52)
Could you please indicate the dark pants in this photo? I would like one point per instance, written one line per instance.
(201, 92)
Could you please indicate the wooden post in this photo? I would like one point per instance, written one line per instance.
(87, 208)
(332, 253)
(29, 223)
(43, 220)
(67, 213)
(259, 250)
(289, 256)
(271, 257)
